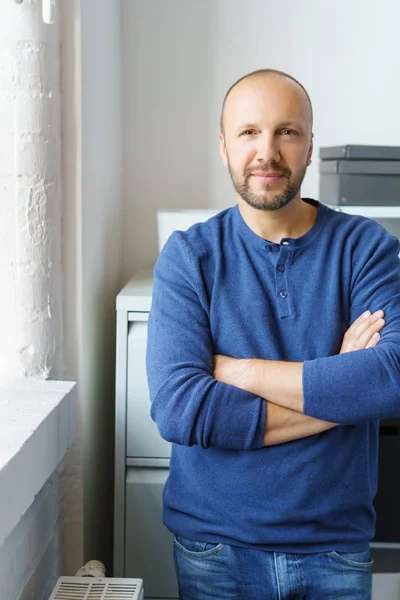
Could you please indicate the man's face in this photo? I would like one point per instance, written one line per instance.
(267, 140)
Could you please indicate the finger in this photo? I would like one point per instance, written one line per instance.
(359, 337)
(365, 321)
(364, 339)
(360, 321)
(374, 340)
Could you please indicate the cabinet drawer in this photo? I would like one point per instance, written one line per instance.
(148, 543)
(387, 500)
(142, 437)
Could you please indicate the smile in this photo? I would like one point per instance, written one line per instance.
(267, 177)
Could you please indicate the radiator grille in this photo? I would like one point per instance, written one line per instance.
(90, 588)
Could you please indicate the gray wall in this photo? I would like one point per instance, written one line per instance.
(93, 217)
(166, 59)
(102, 219)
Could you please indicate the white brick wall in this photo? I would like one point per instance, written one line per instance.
(30, 299)
(30, 194)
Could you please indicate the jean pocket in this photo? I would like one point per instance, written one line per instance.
(198, 549)
(355, 560)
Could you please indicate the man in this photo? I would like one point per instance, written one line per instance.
(273, 412)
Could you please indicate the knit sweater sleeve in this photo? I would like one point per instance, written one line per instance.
(363, 385)
(188, 405)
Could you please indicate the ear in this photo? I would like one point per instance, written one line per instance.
(222, 150)
(310, 151)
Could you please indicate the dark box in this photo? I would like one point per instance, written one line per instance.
(360, 175)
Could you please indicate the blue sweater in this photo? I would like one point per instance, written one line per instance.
(221, 289)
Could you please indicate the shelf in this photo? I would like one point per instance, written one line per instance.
(136, 295)
(37, 426)
(373, 212)
(385, 545)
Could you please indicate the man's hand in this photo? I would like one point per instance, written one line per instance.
(281, 382)
(235, 371)
(284, 423)
(364, 332)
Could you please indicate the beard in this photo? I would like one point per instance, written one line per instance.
(272, 202)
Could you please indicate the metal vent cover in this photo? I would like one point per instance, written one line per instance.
(97, 588)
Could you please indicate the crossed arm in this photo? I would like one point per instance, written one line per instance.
(280, 383)
(193, 405)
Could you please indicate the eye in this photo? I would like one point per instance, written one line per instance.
(248, 132)
(289, 132)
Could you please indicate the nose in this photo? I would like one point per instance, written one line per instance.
(267, 150)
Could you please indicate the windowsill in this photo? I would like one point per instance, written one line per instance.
(37, 426)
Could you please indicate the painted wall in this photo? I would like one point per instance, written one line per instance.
(180, 58)
(166, 61)
(72, 472)
(102, 238)
(30, 188)
(93, 235)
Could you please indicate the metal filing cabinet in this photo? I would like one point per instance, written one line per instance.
(143, 547)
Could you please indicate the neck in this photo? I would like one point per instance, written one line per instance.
(293, 220)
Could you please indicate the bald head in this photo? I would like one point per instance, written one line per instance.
(263, 75)
(266, 127)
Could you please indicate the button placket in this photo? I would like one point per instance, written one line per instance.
(282, 283)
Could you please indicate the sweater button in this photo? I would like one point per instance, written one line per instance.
(283, 293)
(281, 268)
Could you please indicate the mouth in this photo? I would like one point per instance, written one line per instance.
(267, 177)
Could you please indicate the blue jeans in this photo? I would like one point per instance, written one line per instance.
(223, 572)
